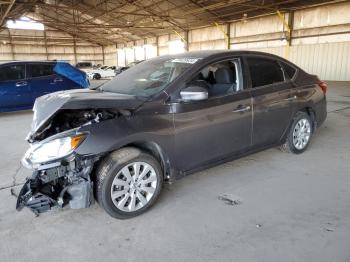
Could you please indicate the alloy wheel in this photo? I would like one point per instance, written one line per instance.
(301, 133)
(133, 186)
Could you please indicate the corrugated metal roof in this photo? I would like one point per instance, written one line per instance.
(109, 22)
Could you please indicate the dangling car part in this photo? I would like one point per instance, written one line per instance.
(64, 179)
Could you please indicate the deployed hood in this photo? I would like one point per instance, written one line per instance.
(47, 106)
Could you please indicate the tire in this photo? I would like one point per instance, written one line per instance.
(291, 144)
(97, 76)
(131, 198)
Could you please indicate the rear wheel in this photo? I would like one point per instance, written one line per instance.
(299, 136)
(129, 181)
(97, 76)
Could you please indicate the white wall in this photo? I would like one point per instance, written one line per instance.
(17, 44)
(207, 38)
(320, 40)
(110, 55)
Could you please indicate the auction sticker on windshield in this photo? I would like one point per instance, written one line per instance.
(185, 60)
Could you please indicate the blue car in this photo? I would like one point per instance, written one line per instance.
(23, 81)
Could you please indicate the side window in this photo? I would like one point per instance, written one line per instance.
(83, 64)
(289, 70)
(264, 71)
(220, 78)
(12, 72)
(39, 70)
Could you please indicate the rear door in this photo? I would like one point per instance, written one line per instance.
(272, 99)
(44, 80)
(15, 90)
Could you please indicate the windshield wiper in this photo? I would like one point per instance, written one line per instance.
(99, 87)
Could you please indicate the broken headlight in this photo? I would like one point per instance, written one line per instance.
(52, 149)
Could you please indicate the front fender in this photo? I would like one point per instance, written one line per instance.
(110, 135)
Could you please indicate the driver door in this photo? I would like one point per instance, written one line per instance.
(212, 129)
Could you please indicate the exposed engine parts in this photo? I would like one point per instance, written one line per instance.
(68, 119)
(58, 184)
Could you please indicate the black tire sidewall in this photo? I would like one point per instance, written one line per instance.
(297, 118)
(105, 195)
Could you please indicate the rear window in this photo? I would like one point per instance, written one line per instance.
(39, 70)
(84, 64)
(264, 71)
(12, 72)
(289, 70)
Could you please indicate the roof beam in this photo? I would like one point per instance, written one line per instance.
(109, 21)
(62, 14)
(150, 11)
(110, 12)
(88, 39)
(4, 12)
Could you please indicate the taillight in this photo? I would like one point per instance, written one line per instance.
(323, 87)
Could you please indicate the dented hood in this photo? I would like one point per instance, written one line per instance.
(46, 106)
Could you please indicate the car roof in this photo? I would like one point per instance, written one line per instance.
(199, 54)
(209, 53)
(192, 54)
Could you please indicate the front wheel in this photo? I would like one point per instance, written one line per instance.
(299, 136)
(97, 76)
(128, 182)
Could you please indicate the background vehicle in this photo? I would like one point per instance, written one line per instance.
(102, 72)
(163, 119)
(123, 68)
(97, 66)
(84, 65)
(22, 82)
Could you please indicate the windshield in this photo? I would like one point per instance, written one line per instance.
(149, 77)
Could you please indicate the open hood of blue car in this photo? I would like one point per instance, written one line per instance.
(72, 73)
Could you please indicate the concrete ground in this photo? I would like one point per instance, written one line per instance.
(284, 207)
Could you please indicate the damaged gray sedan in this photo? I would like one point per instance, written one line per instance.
(161, 120)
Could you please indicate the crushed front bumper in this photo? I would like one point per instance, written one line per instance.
(35, 201)
(57, 184)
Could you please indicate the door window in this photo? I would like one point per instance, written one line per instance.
(40, 70)
(12, 72)
(264, 71)
(220, 78)
(289, 70)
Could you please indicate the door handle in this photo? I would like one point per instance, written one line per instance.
(241, 109)
(58, 80)
(21, 83)
(291, 98)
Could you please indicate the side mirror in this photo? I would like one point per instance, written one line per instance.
(194, 93)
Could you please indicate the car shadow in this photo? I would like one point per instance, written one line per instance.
(15, 113)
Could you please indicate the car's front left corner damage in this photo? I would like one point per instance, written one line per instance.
(62, 175)
(57, 184)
